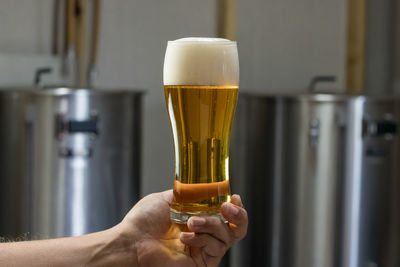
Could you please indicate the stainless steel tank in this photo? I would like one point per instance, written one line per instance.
(81, 155)
(372, 236)
(319, 178)
(14, 193)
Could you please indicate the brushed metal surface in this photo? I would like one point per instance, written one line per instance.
(14, 200)
(78, 179)
(319, 189)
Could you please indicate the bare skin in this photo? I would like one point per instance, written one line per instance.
(146, 237)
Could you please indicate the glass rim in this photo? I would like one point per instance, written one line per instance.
(202, 41)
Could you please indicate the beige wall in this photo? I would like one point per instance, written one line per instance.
(283, 44)
(25, 26)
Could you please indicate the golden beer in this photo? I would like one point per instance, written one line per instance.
(201, 117)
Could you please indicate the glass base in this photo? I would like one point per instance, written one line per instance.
(183, 217)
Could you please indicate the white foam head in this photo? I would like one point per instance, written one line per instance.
(201, 61)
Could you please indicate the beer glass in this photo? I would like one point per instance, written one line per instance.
(201, 78)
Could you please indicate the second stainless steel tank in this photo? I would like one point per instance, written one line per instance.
(319, 178)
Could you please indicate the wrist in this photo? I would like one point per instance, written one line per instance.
(115, 247)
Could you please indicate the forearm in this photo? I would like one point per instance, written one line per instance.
(106, 248)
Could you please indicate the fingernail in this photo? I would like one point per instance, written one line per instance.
(198, 221)
(237, 200)
(233, 210)
(186, 235)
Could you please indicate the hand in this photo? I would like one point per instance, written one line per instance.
(159, 242)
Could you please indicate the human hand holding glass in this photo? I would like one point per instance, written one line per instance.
(202, 242)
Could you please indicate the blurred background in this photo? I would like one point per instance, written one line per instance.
(351, 47)
(282, 46)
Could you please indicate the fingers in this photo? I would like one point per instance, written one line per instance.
(237, 218)
(210, 245)
(213, 226)
(211, 235)
(236, 200)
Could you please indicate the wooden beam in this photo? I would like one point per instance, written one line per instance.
(356, 32)
(226, 19)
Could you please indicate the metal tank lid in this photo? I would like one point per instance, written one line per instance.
(318, 96)
(67, 90)
(17, 88)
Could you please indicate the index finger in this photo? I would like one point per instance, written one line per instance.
(167, 195)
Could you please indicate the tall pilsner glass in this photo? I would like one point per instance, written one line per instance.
(201, 81)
